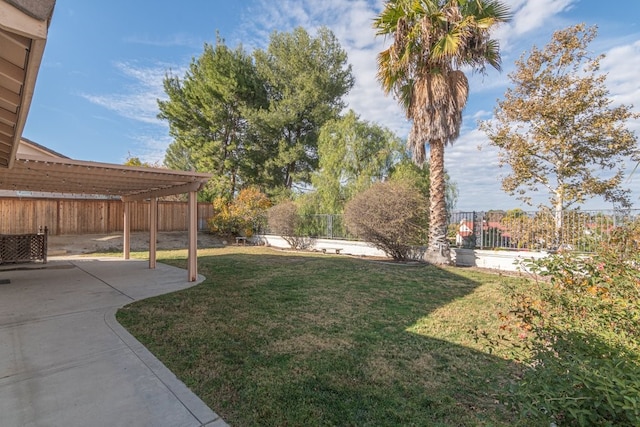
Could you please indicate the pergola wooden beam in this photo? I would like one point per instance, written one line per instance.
(192, 258)
(59, 175)
(153, 232)
(178, 189)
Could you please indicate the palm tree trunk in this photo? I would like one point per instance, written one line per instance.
(438, 250)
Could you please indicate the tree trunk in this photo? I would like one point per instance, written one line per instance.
(438, 251)
(288, 180)
(233, 182)
(558, 219)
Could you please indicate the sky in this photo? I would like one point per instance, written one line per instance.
(104, 63)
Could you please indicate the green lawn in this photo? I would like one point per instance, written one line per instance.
(277, 338)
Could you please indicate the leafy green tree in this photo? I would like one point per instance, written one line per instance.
(305, 79)
(206, 115)
(178, 157)
(432, 41)
(353, 154)
(133, 161)
(407, 171)
(418, 176)
(556, 128)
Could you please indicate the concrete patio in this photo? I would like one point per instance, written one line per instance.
(65, 361)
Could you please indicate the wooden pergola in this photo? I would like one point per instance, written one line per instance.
(130, 183)
(24, 26)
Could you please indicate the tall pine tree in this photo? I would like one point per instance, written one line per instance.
(206, 112)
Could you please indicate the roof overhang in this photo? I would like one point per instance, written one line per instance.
(23, 33)
(45, 174)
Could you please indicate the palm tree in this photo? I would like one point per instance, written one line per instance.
(432, 40)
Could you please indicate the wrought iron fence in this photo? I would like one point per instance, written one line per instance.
(323, 226)
(517, 230)
(541, 230)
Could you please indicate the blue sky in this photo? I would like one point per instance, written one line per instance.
(104, 63)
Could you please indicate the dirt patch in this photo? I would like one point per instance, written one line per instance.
(91, 243)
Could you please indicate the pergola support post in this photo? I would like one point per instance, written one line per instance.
(127, 230)
(153, 231)
(193, 237)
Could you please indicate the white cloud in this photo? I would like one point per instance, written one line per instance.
(476, 173)
(142, 87)
(527, 17)
(533, 14)
(171, 40)
(621, 65)
(139, 100)
(481, 115)
(152, 146)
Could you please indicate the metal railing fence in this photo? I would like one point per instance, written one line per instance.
(540, 230)
(516, 229)
(322, 226)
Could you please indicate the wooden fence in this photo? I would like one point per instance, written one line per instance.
(82, 216)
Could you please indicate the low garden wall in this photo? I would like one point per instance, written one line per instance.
(496, 260)
(348, 247)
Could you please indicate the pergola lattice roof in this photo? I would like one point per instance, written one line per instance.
(44, 174)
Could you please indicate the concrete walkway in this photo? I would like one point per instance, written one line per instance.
(65, 361)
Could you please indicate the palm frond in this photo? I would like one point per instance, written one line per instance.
(495, 9)
(459, 87)
(432, 39)
(449, 46)
(492, 54)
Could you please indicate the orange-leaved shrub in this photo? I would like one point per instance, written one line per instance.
(242, 216)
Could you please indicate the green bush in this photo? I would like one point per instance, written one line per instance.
(582, 327)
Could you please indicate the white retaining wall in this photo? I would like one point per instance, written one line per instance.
(495, 260)
(348, 247)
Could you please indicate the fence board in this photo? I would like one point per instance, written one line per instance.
(82, 216)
